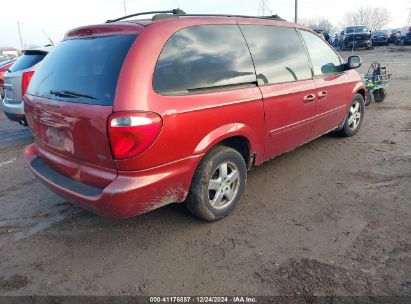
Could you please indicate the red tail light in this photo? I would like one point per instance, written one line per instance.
(25, 81)
(132, 133)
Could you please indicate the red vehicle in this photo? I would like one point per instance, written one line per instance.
(132, 115)
(4, 66)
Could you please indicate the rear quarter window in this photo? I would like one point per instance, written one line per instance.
(27, 60)
(203, 57)
(89, 67)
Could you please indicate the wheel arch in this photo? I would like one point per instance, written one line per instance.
(237, 136)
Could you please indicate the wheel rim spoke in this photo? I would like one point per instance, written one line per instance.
(217, 198)
(233, 176)
(352, 110)
(223, 170)
(229, 194)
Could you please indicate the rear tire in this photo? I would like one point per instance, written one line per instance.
(379, 95)
(354, 118)
(218, 184)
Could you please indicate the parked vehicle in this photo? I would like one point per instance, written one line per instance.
(394, 34)
(4, 66)
(332, 39)
(380, 38)
(404, 36)
(356, 37)
(132, 115)
(338, 39)
(17, 80)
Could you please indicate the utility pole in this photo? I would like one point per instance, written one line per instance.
(296, 11)
(125, 9)
(21, 39)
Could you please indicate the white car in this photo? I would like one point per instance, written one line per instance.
(16, 81)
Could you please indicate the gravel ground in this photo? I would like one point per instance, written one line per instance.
(330, 218)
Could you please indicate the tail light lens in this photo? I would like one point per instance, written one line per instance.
(26, 77)
(132, 133)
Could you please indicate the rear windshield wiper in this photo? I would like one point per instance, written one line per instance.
(69, 94)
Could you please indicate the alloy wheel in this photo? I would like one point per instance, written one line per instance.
(354, 117)
(223, 185)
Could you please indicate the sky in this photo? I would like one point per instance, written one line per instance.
(56, 17)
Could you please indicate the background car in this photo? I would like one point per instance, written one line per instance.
(16, 81)
(4, 66)
(404, 36)
(356, 37)
(393, 35)
(380, 38)
(337, 39)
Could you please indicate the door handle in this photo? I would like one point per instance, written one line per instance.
(309, 98)
(322, 94)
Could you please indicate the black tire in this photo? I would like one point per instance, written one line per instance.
(369, 98)
(379, 95)
(348, 128)
(198, 201)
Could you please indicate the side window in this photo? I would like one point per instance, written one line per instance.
(278, 53)
(324, 59)
(203, 57)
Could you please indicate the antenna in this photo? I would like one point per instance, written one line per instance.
(51, 41)
(21, 39)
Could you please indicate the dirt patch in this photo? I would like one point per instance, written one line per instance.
(303, 276)
(16, 281)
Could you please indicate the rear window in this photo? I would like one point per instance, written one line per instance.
(82, 70)
(27, 60)
(203, 57)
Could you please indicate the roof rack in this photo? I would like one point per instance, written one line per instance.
(180, 13)
(176, 11)
(273, 17)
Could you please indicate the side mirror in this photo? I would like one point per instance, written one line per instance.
(354, 62)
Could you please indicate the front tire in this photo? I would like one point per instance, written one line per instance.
(369, 98)
(218, 184)
(354, 118)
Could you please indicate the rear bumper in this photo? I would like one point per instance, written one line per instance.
(128, 195)
(14, 111)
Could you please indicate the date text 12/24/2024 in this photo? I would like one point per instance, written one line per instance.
(204, 299)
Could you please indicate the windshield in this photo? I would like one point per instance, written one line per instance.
(379, 33)
(356, 29)
(83, 70)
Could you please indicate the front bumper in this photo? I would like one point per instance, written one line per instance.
(380, 41)
(129, 194)
(360, 43)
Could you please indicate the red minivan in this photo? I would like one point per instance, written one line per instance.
(132, 115)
